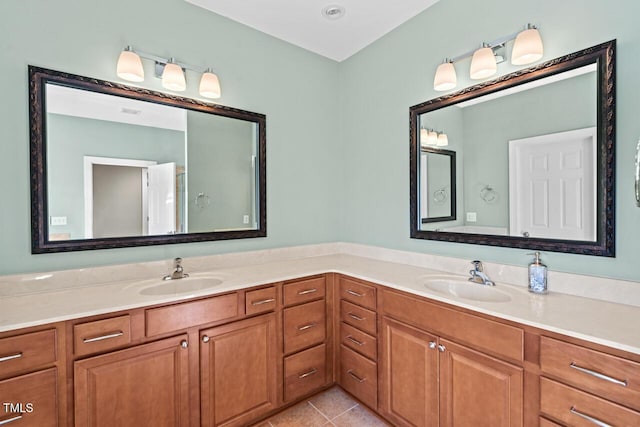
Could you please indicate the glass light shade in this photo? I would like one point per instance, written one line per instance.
(445, 77)
(483, 64)
(210, 85)
(173, 78)
(443, 140)
(130, 66)
(424, 135)
(432, 138)
(527, 48)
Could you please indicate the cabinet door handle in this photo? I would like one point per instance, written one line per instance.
(263, 301)
(354, 293)
(307, 291)
(592, 420)
(432, 345)
(10, 420)
(307, 374)
(205, 338)
(184, 344)
(623, 383)
(441, 348)
(353, 340)
(357, 378)
(11, 357)
(307, 326)
(355, 316)
(103, 337)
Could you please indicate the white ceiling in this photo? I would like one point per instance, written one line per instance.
(302, 23)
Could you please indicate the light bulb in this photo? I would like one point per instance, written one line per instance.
(445, 78)
(210, 85)
(483, 63)
(528, 47)
(129, 66)
(424, 135)
(173, 77)
(432, 138)
(443, 140)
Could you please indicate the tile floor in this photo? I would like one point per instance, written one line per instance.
(332, 407)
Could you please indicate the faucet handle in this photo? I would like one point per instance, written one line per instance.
(177, 261)
(477, 264)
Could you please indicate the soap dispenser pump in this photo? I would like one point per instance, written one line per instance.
(537, 275)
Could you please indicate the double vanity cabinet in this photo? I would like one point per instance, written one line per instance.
(235, 358)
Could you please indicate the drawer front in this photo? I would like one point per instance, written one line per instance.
(546, 423)
(577, 408)
(304, 372)
(101, 335)
(34, 397)
(358, 375)
(358, 293)
(182, 316)
(608, 376)
(27, 351)
(357, 340)
(260, 301)
(304, 326)
(359, 317)
(303, 291)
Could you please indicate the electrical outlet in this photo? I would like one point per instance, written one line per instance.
(58, 220)
(245, 219)
(471, 217)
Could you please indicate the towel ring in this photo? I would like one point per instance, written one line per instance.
(488, 194)
(202, 201)
(440, 196)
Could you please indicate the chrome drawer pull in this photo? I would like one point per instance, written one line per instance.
(354, 293)
(13, 356)
(355, 316)
(308, 291)
(598, 375)
(10, 420)
(307, 374)
(353, 340)
(588, 418)
(357, 378)
(305, 327)
(263, 301)
(103, 337)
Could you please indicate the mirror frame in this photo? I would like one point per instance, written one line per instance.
(452, 179)
(603, 55)
(38, 78)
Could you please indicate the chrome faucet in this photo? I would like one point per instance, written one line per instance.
(178, 271)
(478, 275)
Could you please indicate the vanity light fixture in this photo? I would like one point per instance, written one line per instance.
(433, 138)
(172, 72)
(424, 137)
(443, 140)
(527, 49)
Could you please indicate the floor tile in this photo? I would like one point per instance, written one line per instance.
(333, 402)
(300, 415)
(358, 417)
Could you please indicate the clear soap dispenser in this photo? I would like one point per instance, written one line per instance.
(537, 275)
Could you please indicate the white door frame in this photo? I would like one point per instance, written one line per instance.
(89, 161)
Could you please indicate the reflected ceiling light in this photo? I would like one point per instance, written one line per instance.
(432, 137)
(172, 72)
(527, 48)
(424, 135)
(443, 140)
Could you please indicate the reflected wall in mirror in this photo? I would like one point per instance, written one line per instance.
(117, 166)
(536, 149)
(437, 185)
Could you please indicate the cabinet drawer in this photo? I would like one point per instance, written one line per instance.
(185, 315)
(546, 423)
(357, 340)
(38, 398)
(27, 351)
(303, 291)
(572, 407)
(358, 375)
(358, 293)
(304, 326)
(359, 317)
(101, 335)
(260, 300)
(304, 372)
(608, 376)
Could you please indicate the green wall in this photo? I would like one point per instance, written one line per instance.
(400, 67)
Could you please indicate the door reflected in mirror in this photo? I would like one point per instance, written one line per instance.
(438, 185)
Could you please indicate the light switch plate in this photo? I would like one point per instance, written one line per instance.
(58, 220)
(471, 217)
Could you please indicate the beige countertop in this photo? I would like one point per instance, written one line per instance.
(607, 323)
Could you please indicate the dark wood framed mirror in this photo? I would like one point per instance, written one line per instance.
(117, 166)
(438, 185)
(536, 153)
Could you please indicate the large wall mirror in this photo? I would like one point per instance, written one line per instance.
(117, 166)
(535, 152)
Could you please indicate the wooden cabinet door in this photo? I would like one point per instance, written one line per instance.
(147, 385)
(478, 390)
(238, 366)
(409, 375)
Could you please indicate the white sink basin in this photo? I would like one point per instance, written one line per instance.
(181, 286)
(462, 288)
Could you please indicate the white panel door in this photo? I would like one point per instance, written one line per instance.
(552, 186)
(161, 199)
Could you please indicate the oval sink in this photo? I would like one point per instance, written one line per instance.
(179, 286)
(462, 288)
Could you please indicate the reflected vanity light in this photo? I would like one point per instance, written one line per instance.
(172, 72)
(527, 49)
(430, 137)
(443, 140)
